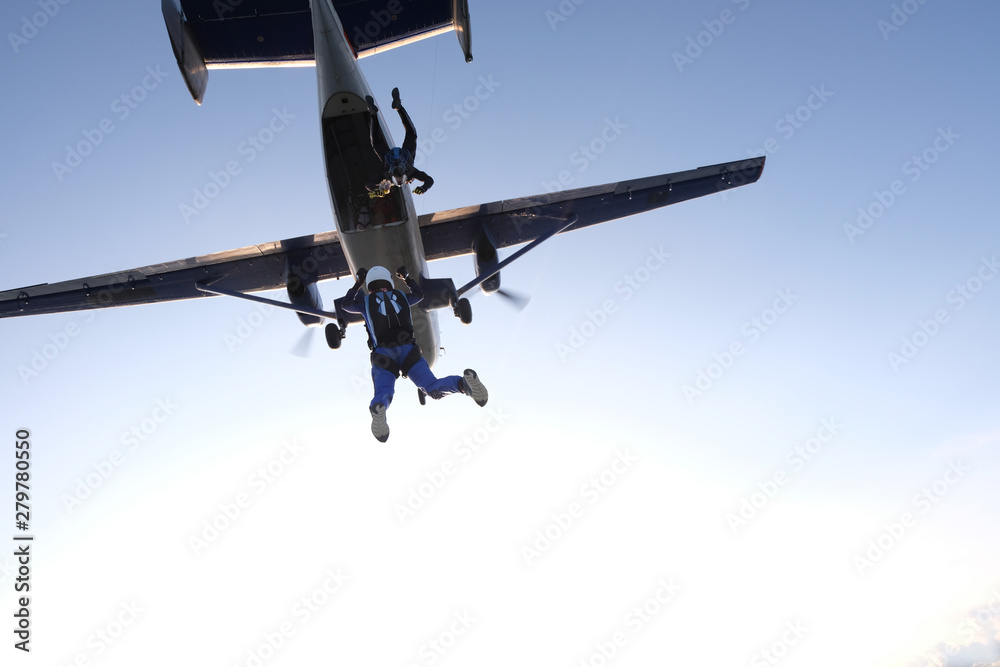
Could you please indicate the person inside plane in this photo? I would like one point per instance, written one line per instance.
(386, 312)
(399, 169)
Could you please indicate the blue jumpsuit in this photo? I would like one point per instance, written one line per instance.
(390, 330)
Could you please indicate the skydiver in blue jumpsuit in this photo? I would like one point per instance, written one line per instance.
(386, 311)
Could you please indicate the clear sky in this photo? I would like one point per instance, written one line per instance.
(780, 444)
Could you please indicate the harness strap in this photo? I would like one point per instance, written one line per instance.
(385, 363)
(412, 357)
(388, 363)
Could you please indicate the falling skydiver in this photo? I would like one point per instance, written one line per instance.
(399, 169)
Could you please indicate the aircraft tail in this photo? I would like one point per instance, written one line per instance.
(217, 34)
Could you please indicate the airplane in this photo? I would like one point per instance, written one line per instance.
(333, 35)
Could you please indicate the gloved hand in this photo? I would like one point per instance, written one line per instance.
(419, 190)
(362, 274)
(402, 274)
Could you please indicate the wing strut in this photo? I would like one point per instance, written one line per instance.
(202, 287)
(569, 222)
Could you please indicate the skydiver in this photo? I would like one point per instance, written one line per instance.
(399, 169)
(386, 311)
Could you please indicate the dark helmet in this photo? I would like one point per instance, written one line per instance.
(397, 174)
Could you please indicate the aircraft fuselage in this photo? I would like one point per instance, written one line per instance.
(373, 231)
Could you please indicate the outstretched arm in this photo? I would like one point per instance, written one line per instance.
(425, 182)
(416, 294)
(355, 295)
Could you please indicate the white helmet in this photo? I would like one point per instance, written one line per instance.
(375, 274)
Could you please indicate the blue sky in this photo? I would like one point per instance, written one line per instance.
(879, 548)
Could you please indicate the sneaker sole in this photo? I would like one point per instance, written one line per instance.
(479, 393)
(380, 427)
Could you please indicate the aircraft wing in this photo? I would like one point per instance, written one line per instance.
(444, 234)
(250, 269)
(515, 221)
(218, 34)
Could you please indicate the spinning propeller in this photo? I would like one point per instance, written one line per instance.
(303, 348)
(515, 300)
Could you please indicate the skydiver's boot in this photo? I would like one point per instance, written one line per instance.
(380, 427)
(372, 109)
(471, 386)
(396, 104)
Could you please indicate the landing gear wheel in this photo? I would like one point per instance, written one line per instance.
(464, 311)
(422, 397)
(333, 336)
